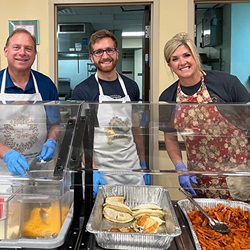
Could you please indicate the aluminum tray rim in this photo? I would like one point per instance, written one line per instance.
(165, 238)
(185, 203)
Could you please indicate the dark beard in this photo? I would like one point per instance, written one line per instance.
(104, 69)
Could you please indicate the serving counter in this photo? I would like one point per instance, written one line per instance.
(182, 242)
(68, 178)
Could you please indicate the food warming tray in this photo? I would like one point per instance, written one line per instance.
(186, 206)
(20, 210)
(134, 195)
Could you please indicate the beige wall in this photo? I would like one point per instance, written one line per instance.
(165, 26)
(27, 10)
(175, 16)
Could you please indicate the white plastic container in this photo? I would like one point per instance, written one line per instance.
(21, 223)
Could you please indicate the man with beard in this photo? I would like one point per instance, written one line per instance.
(118, 141)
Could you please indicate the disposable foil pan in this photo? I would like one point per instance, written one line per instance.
(134, 195)
(186, 206)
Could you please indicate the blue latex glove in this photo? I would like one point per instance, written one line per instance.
(97, 180)
(186, 180)
(16, 162)
(48, 150)
(146, 177)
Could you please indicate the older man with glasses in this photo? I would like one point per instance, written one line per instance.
(118, 143)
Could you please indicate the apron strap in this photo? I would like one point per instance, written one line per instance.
(35, 83)
(3, 82)
(99, 85)
(3, 85)
(120, 81)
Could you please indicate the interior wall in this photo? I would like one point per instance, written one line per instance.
(16, 10)
(163, 13)
(170, 25)
(240, 59)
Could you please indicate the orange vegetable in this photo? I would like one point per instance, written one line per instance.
(238, 220)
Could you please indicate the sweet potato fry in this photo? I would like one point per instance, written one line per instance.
(238, 220)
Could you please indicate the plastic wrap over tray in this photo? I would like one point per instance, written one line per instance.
(186, 206)
(134, 195)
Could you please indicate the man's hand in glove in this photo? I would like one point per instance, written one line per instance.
(97, 180)
(146, 177)
(16, 162)
(186, 180)
(48, 150)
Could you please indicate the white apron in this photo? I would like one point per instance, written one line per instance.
(22, 127)
(114, 147)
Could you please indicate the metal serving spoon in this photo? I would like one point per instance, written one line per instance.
(218, 226)
(43, 213)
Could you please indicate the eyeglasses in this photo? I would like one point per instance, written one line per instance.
(100, 52)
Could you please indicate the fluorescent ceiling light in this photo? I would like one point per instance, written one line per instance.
(137, 33)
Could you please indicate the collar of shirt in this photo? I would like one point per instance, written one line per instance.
(13, 88)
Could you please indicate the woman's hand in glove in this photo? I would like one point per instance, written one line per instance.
(16, 162)
(97, 180)
(48, 150)
(146, 177)
(186, 180)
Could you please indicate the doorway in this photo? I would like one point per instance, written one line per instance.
(75, 24)
(221, 43)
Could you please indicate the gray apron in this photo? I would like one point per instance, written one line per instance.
(114, 147)
(22, 127)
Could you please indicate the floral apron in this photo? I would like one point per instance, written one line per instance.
(217, 145)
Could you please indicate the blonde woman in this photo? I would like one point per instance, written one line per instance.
(214, 143)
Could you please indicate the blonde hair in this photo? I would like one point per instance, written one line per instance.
(178, 40)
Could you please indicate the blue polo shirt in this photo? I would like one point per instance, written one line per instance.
(46, 87)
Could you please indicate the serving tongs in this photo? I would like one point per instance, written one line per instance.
(216, 225)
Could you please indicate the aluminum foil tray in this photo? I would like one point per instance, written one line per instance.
(134, 195)
(186, 206)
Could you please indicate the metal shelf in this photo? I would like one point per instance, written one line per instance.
(72, 55)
